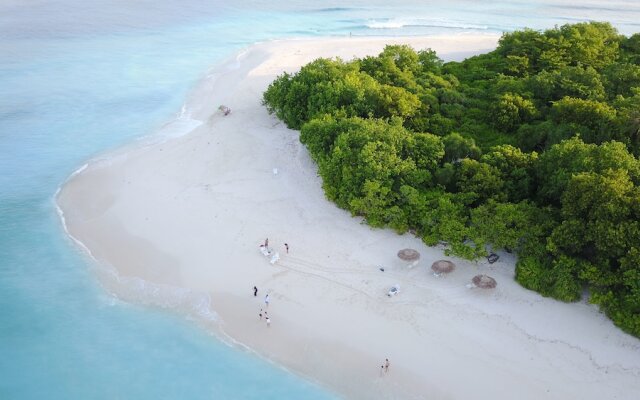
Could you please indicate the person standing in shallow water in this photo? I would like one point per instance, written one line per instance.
(286, 246)
(386, 365)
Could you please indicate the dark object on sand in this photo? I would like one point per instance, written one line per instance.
(493, 257)
(484, 282)
(443, 267)
(225, 110)
(394, 290)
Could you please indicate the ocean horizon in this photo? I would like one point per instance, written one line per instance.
(78, 80)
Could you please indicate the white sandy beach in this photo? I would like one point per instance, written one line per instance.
(177, 223)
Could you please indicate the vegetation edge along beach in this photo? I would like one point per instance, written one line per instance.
(532, 147)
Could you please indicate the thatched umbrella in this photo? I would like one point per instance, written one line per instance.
(410, 255)
(484, 281)
(443, 267)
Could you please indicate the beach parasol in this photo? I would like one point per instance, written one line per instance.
(443, 267)
(410, 255)
(484, 281)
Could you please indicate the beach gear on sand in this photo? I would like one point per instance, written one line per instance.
(225, 110)
(394, 290)
(265, 250)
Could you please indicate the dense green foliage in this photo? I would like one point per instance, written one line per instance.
(532, 148)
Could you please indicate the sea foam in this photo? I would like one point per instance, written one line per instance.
(397, 23)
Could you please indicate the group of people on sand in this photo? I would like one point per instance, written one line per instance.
(384, 368)
(267, 299)
(265, 245)
(266, 305)
(266, 317)
(268, 252)
(264, 313)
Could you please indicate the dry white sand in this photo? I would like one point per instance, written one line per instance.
(177, 223)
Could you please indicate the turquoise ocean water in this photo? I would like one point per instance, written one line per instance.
(78, 78)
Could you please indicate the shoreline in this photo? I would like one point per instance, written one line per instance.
(183, 218)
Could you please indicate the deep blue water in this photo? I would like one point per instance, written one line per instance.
(80, 77)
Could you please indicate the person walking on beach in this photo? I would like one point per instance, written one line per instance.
(266, 242)
(255, 291)
(260, 315)
(386, 365)
(266, 300)
(286, 246)
(268, 322)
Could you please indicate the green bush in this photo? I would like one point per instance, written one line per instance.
(531, 147)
